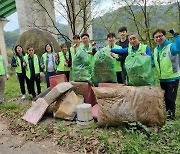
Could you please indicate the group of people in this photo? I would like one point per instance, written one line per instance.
(165, 59)
(29, 66)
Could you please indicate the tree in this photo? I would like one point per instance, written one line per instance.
(77, 13)
(143, 18)
(171, 10)
(110, 21)
(178, 5)
(80, 14)
(42, 6)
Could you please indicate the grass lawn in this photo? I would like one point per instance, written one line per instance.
(96, 139)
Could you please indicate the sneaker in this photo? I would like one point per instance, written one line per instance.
(23, 97)
(170, 115)
(30, 95)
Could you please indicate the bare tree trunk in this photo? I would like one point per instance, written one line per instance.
(74, 13)
(146, 22)
(134, 19)
(178, 5)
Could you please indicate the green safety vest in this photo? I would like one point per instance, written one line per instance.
(72, 51)
(117, 63)
(91, 57)
(168, 65)
(2, 69)
(44, 56)
(141, 49)
(36, 66)
(19, 67)
(61, 66)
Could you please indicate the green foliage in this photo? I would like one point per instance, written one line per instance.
(12, 87)
(11, 38)
(160, 16)
(12, 109)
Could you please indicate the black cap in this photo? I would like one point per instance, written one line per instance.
(122, 29)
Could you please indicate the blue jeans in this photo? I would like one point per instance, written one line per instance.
(48, 74)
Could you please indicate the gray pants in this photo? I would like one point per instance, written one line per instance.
(2, 87)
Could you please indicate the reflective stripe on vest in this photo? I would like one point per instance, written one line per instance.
(36, 66)
(45, 62)
(168, 65)
(117, 63)
(61, 66)
(2, 69)
(141, 49)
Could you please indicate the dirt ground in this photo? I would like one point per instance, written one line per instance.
(16, 144)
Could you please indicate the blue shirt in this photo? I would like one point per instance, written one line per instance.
(125, 50)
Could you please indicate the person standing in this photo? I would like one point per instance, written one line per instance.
(49, 62)
(86, 46)
(166, 61)
(19, 63)
(111, 38)
(75, 47)
(73, 50)
(3, 75)
(124, 43)
(65, 61)
(136, 47)
(33, 69)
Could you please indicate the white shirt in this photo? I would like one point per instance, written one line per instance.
(50, 67)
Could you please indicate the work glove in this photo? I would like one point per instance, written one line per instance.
(173, 33)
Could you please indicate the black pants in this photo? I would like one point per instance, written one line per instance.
(124, 74)
(22, 78)
(64, 72)
(36, 79)
(119, 77)
(171, 89)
